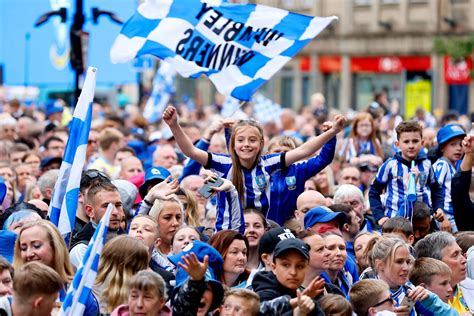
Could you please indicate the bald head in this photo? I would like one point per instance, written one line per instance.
(306, 201)
(130, 167)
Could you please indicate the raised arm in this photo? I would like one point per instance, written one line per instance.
(311, 146)
(170, 116)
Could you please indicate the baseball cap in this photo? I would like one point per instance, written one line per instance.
(49, 161)
(54, 106)
(291, 244)
(153, 175)
(201, 249)
(449, 132)
(322, 214)
(271, 238)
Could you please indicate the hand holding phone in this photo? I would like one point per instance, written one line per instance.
(206, 190)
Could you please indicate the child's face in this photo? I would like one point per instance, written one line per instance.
(144, 229)
(364, 128)
(290, 269)
(409, 144)
(452, 150)
(440, 285)
(247, 144)
(205, 302)
(144, 302)
(235, 305)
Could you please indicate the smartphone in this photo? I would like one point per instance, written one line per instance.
(206, 190)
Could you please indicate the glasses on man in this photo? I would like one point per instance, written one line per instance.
(387, 300)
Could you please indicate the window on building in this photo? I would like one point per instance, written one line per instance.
(287, 91)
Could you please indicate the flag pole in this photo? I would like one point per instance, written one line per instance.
(241, 104)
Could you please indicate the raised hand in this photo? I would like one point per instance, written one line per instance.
(305, 304)
(326, 126)
(315, 287)
(228, 123)
(195, 268)
(164, 190)
(170, 116)
(214, 128)
(224, 187)
(338, 123)
(419, 293)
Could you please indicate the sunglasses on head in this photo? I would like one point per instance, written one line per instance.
(94, 174)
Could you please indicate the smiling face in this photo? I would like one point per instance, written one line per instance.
(395, 271)
(290, 269)
(247, 144)
(254, 228)
(35, 245)
(452, 150)
(410, 144)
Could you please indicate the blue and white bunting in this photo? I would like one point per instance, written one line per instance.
(63, 206)
(79, 290)
(238, 46)
(163, 90)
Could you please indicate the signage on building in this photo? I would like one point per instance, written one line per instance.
(377, 64)
(457, 72)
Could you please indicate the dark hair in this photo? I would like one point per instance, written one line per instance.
(342, 208)
(21, 206)
(127, 149)
(398, 224)
(221, 241)
(5, 265)
(259, 214)
(465, 240)
(421, 211)
(407, 127)
(91, 178)
(51, 139)
(332, 304)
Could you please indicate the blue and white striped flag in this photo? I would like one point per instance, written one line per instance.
(79, 290)
(62, 210)
(163, 90)
(238, 46)
(265, 110)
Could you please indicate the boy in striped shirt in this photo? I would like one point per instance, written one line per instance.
(393, 177)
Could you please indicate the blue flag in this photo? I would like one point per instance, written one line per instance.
(238, 46)
(163, 90)
(63, 206)
(79, 290)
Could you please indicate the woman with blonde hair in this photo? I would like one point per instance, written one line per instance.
(41, 241)
(122, 257)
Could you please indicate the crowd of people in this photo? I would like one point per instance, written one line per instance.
(318, 213)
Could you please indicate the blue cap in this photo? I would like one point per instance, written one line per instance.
(7, 244)
(449, 132)
(50, 160)
(153, 175)
(3, 190)
(52, 107)
(201, 249)
(322, 214)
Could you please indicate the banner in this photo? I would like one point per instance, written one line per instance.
(238, 46)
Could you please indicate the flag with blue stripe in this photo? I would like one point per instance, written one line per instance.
(84, 279)
(238, 46)
(63, 205)
(163, 90)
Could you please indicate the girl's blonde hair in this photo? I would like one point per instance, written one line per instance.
(237, 176)
(384, 249)
(121, 258)
(61, 262)
(191, 214)
(159, 204)
(372, 137)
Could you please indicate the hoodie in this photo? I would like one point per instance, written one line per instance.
(274, 297)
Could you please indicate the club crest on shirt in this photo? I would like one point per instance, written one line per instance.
(291, 182)
(261, 182)
(422, 179)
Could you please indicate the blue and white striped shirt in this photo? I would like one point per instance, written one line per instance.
(393, 177)
(444, 172)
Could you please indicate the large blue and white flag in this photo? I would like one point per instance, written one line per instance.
(265, 110)
(79, 290)
(238, 46)
(163, 90)
(62, 210)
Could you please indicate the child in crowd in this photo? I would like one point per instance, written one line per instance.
(398, 227)
(279, 289)
(393, 177)
(450, 148)
(371, 296)
(6, 277)
(434, 275)
(240, 302)
(248, 169)
(335, 305)
(422, 221)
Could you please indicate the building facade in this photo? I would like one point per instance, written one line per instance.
(379, 45)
